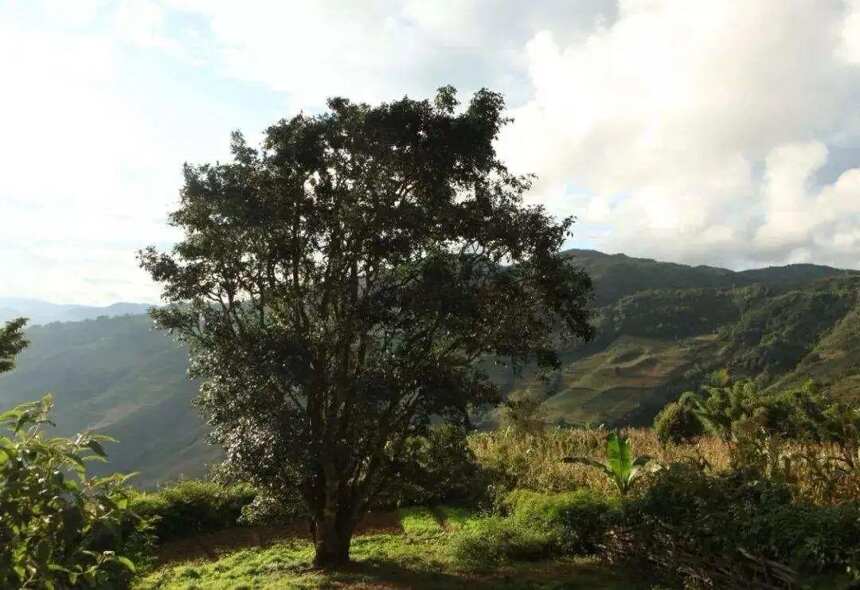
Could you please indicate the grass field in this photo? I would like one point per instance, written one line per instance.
(418, 557)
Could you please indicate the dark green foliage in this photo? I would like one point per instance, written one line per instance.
(102, 370)
(618, 275)
(192, 507)
(776, 331)
(727, 409)
(734, 527)
(433, 469)
(12, 342)
(523, 413)
(677, 422)
(669, 315)
(60, 528)
(268, 511)
(337, 285)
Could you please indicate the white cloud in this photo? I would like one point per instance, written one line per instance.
(691, 130)
(381, 49)
(679, 105)
(88, 175)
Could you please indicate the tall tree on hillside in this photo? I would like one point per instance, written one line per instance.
(12, 342)
(337, 285)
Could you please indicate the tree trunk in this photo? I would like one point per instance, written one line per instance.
(332, 537)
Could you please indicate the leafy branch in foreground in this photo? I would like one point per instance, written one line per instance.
(59, 528)
(620, 466)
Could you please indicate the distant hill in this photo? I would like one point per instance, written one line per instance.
(661, 328)
(42, 312)
(124, 378)
(618, 275)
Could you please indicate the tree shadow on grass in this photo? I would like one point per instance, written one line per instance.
(550, 575)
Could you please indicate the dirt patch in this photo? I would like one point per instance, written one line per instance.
(213, 545)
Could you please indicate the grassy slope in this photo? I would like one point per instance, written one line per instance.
(417, 558)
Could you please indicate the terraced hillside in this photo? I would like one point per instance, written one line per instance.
(780, 325)
(661, 328)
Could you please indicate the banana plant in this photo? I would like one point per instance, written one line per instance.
(620, 466)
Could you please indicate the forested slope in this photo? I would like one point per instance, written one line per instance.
(661, 328)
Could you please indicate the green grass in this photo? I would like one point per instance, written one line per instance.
(420, 558)
(454, 517)
(380, 561)
(419, 521)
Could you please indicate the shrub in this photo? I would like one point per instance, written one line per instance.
(192, 507)
(734, 528)
(725, 409)
(538, 526)
(523, 413)
(264, 510)
(677, 423)
(493, 540)
(60, 528)
(575, 522)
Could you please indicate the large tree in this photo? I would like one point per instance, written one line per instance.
(337, 285)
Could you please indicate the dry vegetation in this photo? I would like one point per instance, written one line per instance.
(820, 473)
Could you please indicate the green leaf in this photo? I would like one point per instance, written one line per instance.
(129, 565)
(618, 455)
(96, 448)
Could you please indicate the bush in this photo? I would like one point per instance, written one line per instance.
(538, 526)
(574, 522)
(60, 528)
(523, 413)
(192, 507)
(725, 409)
(734, 528)
(494, 540)
(264, 510)
(677, 423)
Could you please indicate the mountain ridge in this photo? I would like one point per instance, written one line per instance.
(41, 312)
(661, 327)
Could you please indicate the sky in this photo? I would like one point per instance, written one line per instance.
(701, 132)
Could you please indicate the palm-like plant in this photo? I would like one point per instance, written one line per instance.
(620, 466)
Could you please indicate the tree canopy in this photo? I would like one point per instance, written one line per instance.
(337, 284)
